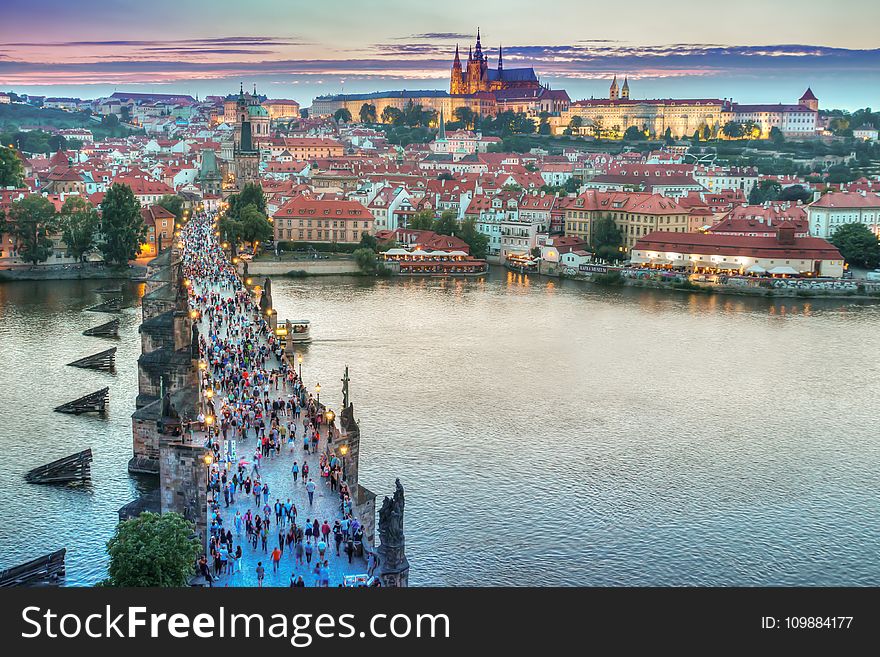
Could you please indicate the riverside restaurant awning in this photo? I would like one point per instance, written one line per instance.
(788, 271)
(756, 269)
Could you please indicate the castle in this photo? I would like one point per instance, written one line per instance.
(477, 76)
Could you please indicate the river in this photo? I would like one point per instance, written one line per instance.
(546, 432)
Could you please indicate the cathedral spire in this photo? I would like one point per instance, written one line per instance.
(478, 49)
(457, 61)
(500, 63)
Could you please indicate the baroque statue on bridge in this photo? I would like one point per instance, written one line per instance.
(391, 518)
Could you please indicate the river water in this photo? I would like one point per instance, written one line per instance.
(546, 432)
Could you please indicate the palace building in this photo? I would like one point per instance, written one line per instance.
(612, 116)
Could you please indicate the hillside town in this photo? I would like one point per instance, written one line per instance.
(501, 170)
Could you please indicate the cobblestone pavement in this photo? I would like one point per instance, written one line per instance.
(276, 471)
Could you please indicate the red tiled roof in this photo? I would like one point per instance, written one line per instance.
(737, 245)
(847, 200)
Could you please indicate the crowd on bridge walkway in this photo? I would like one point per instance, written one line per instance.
(275, 483)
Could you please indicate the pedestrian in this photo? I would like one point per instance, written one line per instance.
(261, 572)
(295, 471)
(276, 558)
(310, 489)
(309, 549)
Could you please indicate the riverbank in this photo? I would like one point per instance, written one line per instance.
(71, 272)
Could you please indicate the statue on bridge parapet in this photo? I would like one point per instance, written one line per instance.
(394, 566)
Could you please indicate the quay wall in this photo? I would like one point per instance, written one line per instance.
(294, 267)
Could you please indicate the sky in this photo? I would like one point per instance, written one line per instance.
(751, 50)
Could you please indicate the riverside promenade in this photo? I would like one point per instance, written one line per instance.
(249, 390)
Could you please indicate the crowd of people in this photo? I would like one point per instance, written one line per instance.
(257, 410)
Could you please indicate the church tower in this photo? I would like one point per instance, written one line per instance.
(456, 80)
(809, 100)
(614, 93)
(624, 92)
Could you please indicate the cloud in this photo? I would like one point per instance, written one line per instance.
(162, 62)
(231, 40)
(440, 36)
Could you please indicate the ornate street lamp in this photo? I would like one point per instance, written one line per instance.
(299, 359)
(318, 391)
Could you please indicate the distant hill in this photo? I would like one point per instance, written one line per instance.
(13, 117)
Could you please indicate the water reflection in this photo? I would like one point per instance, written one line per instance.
(548, 432)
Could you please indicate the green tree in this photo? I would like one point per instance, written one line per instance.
(367, 113)
(574, 125)
(477, 242)
(174, 204)
(606, 238)
(31, 220)
(392, 115)
(447, 224)
(857, 244)
(79, 222)
(255, 227)
(422, 220)
(342, 115)
(57, 142)
(121, 224)
(230, 231)
(732, 130)
(465, 115)
(11, 169)
(153, 550)
(251, 194)
(366, 260)
(369, 241)
(633, 134)
(776, 136)
(667, 137)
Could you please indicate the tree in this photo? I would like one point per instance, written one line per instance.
(857, 244)
(79, 222)
(447, 224)
(392, 115)
(174, 204)
(31, 220)
(445, 175)
(422, 220)
(795, 193)
(732, 130)
(369, 241)
(667, 137)
(776, 136)
(606, 238)
(465, 115)
(367, 113)
(596, 129)
(255, 227)
(230, 230)
(121, 224)
(574, 125)
(342, 115)
(251, 194)
(366, 260)
(633, 134)
(477, 242)
(153, 550)
(11, 169)
(57, 142)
